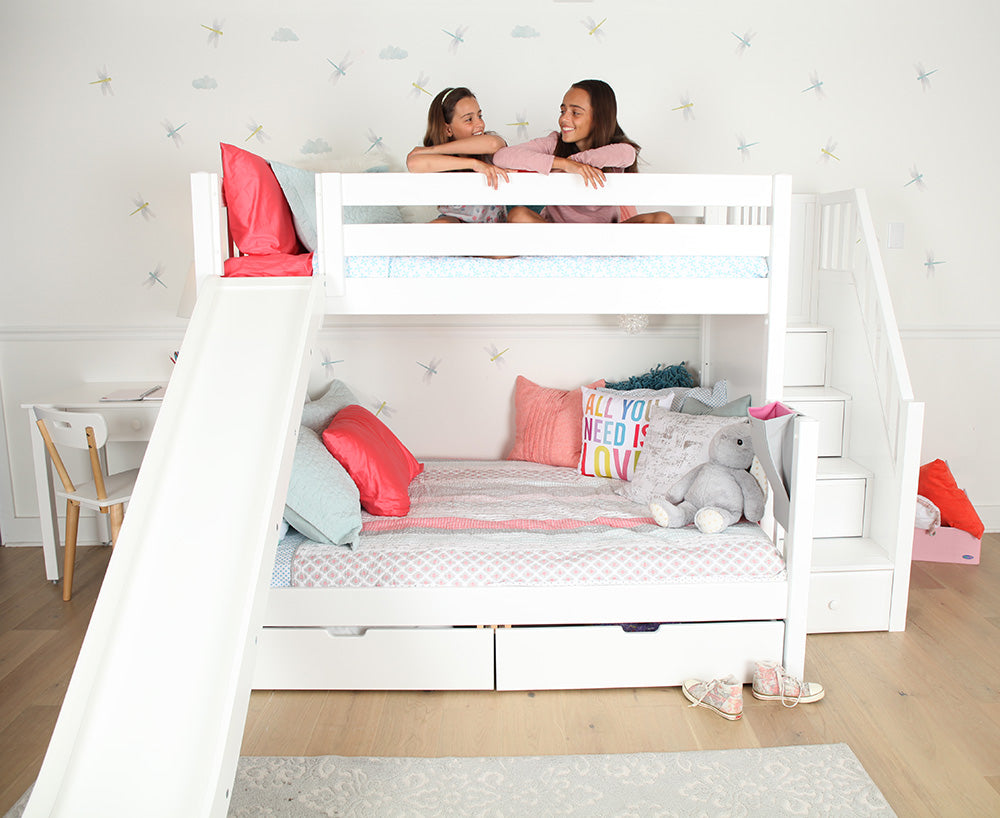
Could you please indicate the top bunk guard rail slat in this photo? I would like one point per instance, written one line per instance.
(678, 190)
(555, 239)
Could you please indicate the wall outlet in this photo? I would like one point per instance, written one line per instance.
(895, 237)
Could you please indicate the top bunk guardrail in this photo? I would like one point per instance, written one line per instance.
(725, 217)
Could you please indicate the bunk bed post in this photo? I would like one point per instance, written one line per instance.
(798, 541)
(777, 315)
(330, 239)
(210, 233)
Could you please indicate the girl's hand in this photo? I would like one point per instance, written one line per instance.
(591, 175)
(492, 173)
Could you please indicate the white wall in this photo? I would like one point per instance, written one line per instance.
(80, 156)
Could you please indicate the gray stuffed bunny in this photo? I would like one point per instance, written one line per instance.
(715, 494)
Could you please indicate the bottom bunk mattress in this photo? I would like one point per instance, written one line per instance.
(477, 524)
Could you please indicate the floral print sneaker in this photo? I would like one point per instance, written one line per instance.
(723, 696)
(771, 683)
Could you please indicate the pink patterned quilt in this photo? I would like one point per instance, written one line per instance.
(486, 523)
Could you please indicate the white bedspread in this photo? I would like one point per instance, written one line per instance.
(478, 524)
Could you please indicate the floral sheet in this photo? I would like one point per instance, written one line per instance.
(481, 524)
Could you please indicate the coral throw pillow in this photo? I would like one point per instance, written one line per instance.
(260, 220)
(380, 465)
(938, 485)
(547, 424)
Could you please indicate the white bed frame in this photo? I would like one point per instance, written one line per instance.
(172, 652)
(535, 638)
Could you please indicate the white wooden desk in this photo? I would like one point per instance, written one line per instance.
(128, 421)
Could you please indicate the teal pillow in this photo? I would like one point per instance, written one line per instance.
(317, 414)
(299, 187)
(323, 503)
(738, 408)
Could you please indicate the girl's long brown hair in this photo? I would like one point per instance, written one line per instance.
(604, 121)
(440, 114)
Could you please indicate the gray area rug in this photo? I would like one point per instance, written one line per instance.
(820, 780)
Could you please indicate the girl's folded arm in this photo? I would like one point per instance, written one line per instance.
(615, 155)
(421, 160)
(536, 155)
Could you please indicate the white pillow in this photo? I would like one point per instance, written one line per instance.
(675, 444)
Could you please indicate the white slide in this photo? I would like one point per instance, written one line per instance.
(153, 717)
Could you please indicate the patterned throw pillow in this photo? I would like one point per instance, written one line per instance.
(675, 444)
(614, 428)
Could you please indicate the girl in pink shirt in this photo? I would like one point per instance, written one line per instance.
(589, 142)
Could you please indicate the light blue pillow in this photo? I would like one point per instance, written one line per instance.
(715, 397)
(317, 414)
(299, 187)
(738, 408)
(323, 502)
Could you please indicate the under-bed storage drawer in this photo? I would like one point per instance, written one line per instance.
(378, 659)
(594, 656)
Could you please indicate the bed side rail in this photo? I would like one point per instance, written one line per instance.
(798, 527)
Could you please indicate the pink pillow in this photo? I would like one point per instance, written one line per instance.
(260, 220)
(938, 485)
(547, 423)
(278, 264)
(380, 465)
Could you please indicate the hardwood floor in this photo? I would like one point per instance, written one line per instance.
(920, 709)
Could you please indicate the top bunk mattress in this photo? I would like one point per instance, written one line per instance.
(615, 267)
(510, 523)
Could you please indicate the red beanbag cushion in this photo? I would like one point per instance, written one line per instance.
(547, 424)
(260, 220)
(380, 465)
(937, 484)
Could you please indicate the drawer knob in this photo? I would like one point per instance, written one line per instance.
(833, 604)
(136, 424)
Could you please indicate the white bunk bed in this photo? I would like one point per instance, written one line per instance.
(544, 637)
(172, 652)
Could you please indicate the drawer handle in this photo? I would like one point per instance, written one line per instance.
(136, 424)
(833, 604)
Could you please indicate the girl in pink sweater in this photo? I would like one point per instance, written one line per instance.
(589, 142)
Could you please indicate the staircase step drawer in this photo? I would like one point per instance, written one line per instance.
(830, 415)
(806, 358)
(842, 601)
(840, 508)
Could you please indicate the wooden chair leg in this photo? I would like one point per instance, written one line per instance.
(69, 558)
(117, 515)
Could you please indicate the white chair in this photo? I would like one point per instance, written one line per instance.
(105, 493)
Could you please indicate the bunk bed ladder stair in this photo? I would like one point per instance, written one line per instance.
(870, 426)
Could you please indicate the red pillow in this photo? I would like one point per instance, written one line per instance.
(380, 465)
(937, 484)
(279, 264)
(547, 424)
(260, 220)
